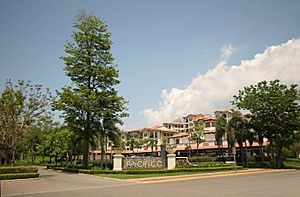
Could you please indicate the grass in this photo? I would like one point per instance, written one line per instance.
(138, 176)
(292, 164)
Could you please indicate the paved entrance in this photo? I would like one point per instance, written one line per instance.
(51, 181)
(53, 184)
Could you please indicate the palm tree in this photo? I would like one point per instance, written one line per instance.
(239, 128)
(152, 143)
(131, 143)
(108, 130)
(221, 126)
(198, 134)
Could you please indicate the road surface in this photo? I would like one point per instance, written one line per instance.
(273, 183)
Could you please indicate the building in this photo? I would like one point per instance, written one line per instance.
(177, 134)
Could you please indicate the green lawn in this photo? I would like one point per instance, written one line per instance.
(138, 176)
(291, 164)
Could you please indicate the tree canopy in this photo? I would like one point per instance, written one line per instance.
(275, 108)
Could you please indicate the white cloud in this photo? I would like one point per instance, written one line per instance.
(214, 89)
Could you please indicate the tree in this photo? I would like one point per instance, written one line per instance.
(131, 143)
(92, 96)
(198, 134)
(240, 129)
(221, 126)
(152, 143)
(21, 106)
(109, 131)
(275, 107)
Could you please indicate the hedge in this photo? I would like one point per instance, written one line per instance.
(155, 171)
(18, 169)
(18, 176)
(293, 159)
(207, 159)
(210, 164)
(259, 164)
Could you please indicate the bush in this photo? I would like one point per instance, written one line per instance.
(203, 159)
(19, 169)
(209, 164)
(18, 176)
(260, 165)
(293, 159)
(147, 171)
(107, 164)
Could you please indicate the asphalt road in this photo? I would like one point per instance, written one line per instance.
(282, 183)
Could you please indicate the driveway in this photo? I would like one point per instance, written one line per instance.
(52, 181)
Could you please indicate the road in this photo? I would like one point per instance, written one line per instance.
(276, 183)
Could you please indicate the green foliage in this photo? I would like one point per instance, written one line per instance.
(149, 171)
(19, 169)
(22, 106)
(275, 108)
(260, 165)
(198, 134)
(221, 125)
(203, 159)
(92, 99)
(210, 164)
(18, 176)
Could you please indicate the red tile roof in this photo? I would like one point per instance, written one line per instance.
(180, 135)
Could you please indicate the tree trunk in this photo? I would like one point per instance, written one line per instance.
(278, 156)
(262, 156)
(246, 156)
(197, 148)
(13, 156)
(86, 152)
(242, 153)
(102, 154)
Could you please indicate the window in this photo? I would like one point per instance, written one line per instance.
(151, 135)
(207, 124)
(109, 143)
(177, 141)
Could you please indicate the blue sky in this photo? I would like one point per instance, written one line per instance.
(158, 45)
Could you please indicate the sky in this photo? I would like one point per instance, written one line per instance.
(175, 57)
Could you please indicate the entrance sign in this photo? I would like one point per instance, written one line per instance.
(145, 162)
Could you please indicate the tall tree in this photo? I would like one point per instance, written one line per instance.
(22, 105)
(276, 107)
(89, 64)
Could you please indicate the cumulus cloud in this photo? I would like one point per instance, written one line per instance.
(214, 89)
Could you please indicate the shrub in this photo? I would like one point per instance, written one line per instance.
(260, 165)
(18, 176)
(203, 159)
(293, 159)
(18, 169)
(107, 164)
(148, 171)
(209, 164)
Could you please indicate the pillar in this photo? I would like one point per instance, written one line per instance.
(171, 161)
(118, 162)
